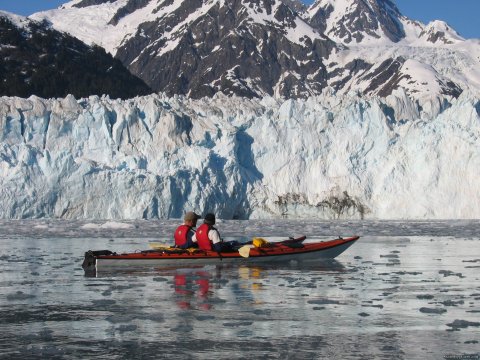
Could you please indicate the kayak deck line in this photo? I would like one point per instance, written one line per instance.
(277, 250)
(291, 249)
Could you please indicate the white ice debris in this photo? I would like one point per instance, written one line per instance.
(108, 225)
(327, 156)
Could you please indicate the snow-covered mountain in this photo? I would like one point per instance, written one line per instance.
(374, 23)
(245, 47)
(155, 156)
(36, 59)
(256, 48)
(386, 52)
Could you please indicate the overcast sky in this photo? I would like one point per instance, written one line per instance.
(462, 15)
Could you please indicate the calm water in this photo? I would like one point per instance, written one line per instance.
(406, 290)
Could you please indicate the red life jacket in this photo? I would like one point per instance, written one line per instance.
(203, 241)
(181, 235)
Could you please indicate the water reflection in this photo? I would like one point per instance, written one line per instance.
(192, 289)
(386, 298)
(245, 270)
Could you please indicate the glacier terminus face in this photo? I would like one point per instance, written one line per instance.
(323, 157)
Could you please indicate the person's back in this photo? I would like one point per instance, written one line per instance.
(208, 237)
(184, 233)
(203, 239)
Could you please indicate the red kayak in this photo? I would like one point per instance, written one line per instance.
(283, 251)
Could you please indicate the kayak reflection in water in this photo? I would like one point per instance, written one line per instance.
(208, 237)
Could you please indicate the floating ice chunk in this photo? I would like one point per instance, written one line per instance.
(108, 225)
(90, 226)
(116, 225)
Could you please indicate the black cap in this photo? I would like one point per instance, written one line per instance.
(209, 219)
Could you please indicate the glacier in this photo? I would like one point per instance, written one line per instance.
(325, 157)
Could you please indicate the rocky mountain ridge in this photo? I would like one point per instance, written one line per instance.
(257, 48)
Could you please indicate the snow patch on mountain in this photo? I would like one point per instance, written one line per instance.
(439, 32)
(422, 77)
(157, 156)
(297, 30)
(93, 27)
(367, 21)
(17, 20)
(173, 36)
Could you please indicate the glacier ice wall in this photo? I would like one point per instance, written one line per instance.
(323, 157)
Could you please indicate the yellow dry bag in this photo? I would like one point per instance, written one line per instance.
(259, 242)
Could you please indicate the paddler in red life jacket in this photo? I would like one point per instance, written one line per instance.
(184, 233)
(208, 237)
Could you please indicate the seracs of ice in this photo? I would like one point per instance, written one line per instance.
(324, 157)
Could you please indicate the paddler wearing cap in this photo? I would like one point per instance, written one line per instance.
(184, 233)
(208, 237)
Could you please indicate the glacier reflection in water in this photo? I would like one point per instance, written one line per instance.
(406, 290)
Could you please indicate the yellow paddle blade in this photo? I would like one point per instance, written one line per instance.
(158, 246)
(244, 251)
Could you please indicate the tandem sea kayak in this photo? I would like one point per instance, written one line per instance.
(283, 251)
